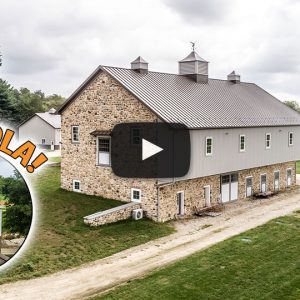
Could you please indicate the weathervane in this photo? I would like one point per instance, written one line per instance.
(193, 45)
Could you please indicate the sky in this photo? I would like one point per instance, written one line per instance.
(53, 45)
(6, 169)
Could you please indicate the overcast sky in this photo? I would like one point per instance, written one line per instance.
(6, 169)
(53, 45)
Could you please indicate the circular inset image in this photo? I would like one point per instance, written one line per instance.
(15, 211)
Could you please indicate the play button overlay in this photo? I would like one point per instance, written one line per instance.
(150, 150)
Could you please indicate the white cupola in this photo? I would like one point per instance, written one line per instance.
(194, 67)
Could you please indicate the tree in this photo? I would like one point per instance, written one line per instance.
(7, 100)
(19, 211)
(293, 104)
(54, 101)
(18, 105)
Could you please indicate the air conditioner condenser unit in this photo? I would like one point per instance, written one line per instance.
(137, 214)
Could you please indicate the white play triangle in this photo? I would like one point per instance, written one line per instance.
(149, 149)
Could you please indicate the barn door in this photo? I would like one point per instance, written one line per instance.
(225, 188)
(276, 181)
(249, 186)
(289, 177)
(263, 183)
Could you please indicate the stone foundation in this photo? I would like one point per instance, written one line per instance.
(194, 189)
(269, 170)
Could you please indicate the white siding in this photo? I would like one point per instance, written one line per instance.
(227, 157)
(35, 130)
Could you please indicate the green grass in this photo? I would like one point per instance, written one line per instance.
(63, 241)
(263, 263)
(298, 167)
(54, 159)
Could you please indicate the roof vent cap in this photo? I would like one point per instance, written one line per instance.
(139, 65)
(194, 67)
(52, 111)
(233, 77)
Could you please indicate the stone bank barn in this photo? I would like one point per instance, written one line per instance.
(243, 140)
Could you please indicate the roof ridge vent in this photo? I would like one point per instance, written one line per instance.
(234, 77)
(139, 65)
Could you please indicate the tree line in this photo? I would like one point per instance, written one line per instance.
(19, 205)
(18, 105)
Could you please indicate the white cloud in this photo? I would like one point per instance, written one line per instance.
(54, 45)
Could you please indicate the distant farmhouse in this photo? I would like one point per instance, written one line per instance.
(243, 140)
(43, 129)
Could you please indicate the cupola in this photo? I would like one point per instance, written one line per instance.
(194, 67)
(140, 65)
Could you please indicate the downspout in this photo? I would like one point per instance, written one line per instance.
(158, 202)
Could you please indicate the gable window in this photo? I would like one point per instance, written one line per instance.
(242, 143)
(209, 146)
(135, 136)
(136, 195)
(76, 185)
(75, 134)
(104, 151)
(291, 138)
(43, 141)
(268, 140)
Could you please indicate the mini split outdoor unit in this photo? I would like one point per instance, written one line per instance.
(137, 214)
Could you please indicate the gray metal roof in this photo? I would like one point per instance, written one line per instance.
(217, 104)
(192, 57)
(52, 119)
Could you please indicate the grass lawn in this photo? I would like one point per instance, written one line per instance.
(263, 263)
(63, 241)
(298, 167)
(56, 159)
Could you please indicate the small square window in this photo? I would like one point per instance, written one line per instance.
(135, 195)
(75, 134)
(76, 185)
(43, 141)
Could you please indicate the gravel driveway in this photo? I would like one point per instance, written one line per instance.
(191, 236)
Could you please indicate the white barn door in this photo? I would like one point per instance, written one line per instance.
(263, 183)
(276, 181)
(248, 186)
(225, 188)
(229, 187)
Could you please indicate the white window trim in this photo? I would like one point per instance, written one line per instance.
(74, 189)
(243, 135)
(212, 143)
(97, 150)
(260, 181)
(246, 185)
(136, 190)
(73, 141)
(291, 144)
(268, 147)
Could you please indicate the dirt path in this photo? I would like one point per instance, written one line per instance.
(192, 236)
